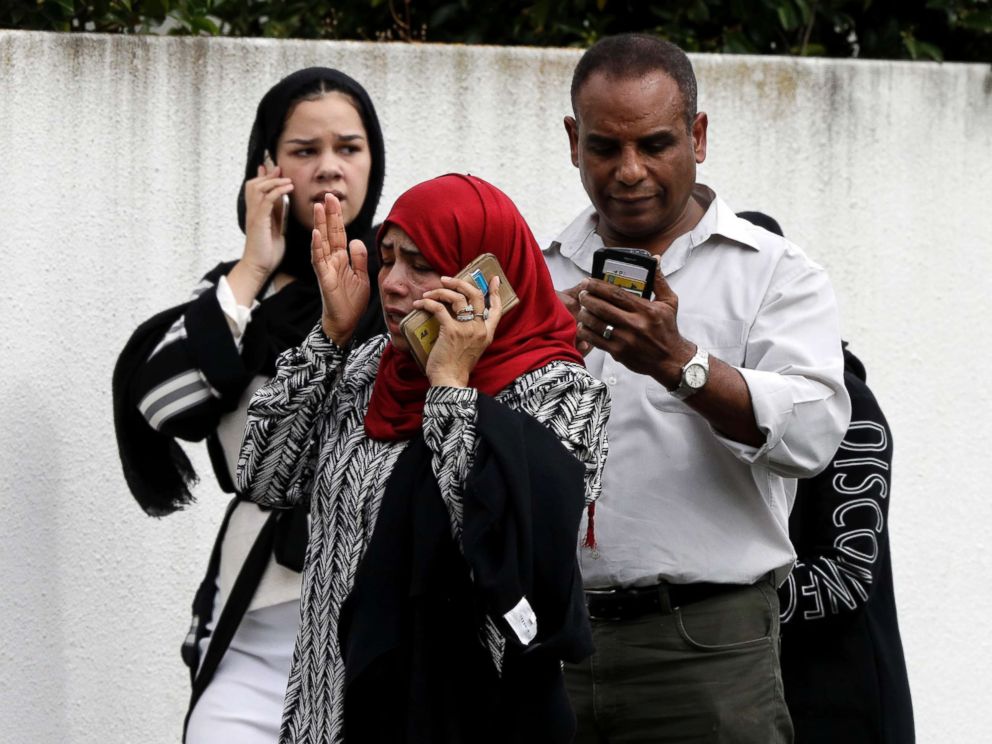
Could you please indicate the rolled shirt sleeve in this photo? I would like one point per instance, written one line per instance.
(794, 370)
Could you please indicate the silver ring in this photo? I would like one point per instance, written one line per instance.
(463, 317)
(467, 309)
(484, 314)
(608, 332)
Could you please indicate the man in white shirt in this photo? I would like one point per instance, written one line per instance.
(726, 385)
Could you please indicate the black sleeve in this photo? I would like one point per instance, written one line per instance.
(410, 628)
(523, 502)
(157, 471)
(195, 373)
(839, 520)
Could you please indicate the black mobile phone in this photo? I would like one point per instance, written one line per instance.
(631, 269)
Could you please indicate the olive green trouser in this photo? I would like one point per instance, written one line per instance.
(706, 672)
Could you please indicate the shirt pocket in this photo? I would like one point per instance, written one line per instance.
(724, 338)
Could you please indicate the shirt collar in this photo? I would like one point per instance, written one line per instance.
(579, 241)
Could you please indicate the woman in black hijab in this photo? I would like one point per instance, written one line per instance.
(188, 374)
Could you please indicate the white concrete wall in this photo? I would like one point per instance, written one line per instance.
(120, 160)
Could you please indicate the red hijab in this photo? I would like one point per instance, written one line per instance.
(452, 219)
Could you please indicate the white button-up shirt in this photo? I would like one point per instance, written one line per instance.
(680, 502)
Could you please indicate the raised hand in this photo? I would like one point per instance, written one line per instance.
(344, 284)
(460, 344)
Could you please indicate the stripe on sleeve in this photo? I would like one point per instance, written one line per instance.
(174, 395)
(178, 405)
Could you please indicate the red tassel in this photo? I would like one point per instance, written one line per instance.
(590, 540)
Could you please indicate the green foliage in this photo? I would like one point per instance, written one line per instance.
(900, 29)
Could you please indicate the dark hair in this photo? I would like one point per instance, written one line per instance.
(762, 220)
(634, 55)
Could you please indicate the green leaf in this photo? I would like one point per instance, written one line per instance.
(980, 21)
(910, 43)
(157, 8)
(787, 16)
(929, 50)
(68, 6)
(276, 30)
(734, 42)
(206, 24)
(444, 14)
(698, 12)
(539, 12)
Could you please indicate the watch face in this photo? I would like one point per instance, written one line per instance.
(695, 376)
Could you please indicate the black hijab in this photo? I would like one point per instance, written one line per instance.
(269, 122)
(292, 313)
(158, 472)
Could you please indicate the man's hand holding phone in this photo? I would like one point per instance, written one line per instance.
(641, 334)
(344, 284)
(630, 269)
(570, 299)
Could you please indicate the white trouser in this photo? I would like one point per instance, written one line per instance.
(243, 703)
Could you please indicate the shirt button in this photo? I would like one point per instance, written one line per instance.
(611, 380)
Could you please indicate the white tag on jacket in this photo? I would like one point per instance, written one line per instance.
(523, 621)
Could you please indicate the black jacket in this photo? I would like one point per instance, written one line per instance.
(842, 659)
(415, 667)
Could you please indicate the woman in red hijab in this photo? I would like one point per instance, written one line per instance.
(440, 589)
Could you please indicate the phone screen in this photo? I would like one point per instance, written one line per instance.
(629, 277)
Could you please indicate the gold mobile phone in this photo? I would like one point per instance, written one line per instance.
(421, 329)
(282, 216)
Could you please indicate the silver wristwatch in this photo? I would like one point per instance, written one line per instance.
(695, 373)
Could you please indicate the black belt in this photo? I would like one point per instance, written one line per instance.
(623, 604)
